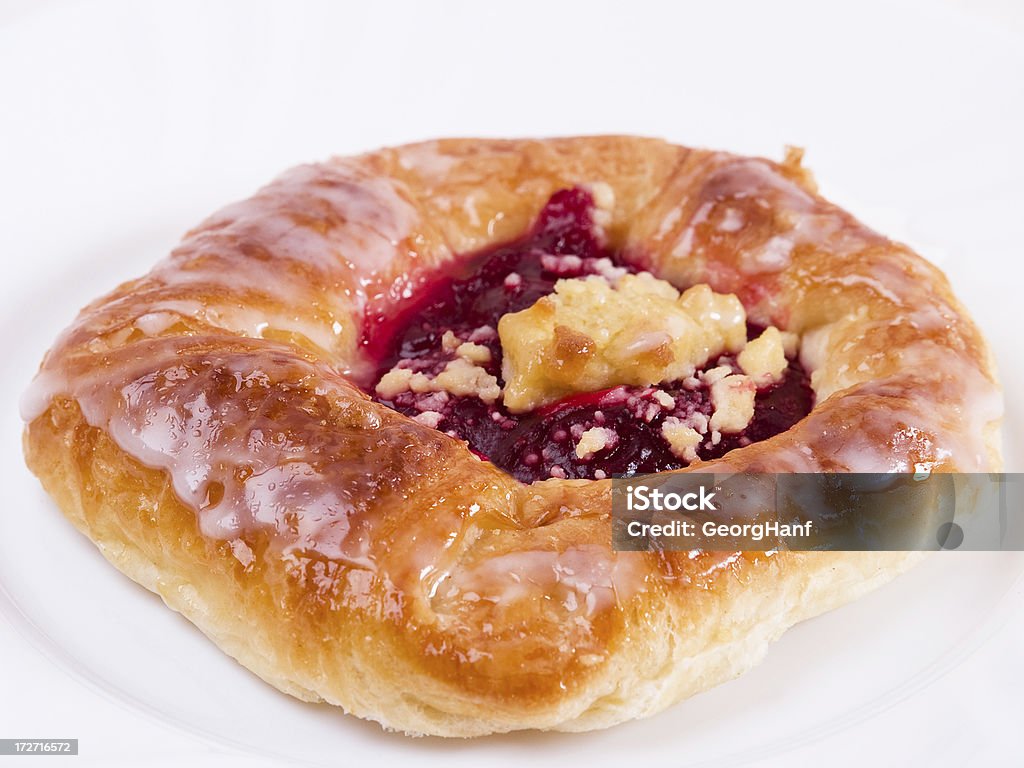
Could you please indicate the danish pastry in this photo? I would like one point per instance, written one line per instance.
(359, 428)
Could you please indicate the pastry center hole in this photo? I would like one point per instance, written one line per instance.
(552, 356)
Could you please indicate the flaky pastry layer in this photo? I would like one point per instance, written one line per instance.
(204, 427)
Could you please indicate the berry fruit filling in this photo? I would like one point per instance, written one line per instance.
(474, 354)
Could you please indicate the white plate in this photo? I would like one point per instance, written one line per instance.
(134, 124)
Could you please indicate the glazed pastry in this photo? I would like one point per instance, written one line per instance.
(359, 427)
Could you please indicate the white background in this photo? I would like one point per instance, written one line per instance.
(123, 124)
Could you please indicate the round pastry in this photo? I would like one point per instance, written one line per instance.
(359, 428)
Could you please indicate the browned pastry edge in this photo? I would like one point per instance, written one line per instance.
(444, 607)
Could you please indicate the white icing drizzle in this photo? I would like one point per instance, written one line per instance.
(426, 159)
(332, 233)
(932, 394)
(230, 431)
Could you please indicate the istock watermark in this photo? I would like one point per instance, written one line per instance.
(640, 498)
(828, 511)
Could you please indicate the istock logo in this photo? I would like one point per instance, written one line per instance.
(641, 498)
(846, 512)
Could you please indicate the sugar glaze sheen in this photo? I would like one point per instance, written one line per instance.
(208, 426)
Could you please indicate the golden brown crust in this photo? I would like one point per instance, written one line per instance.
(404, 579)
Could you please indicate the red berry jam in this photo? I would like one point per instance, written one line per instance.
(540, 444)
